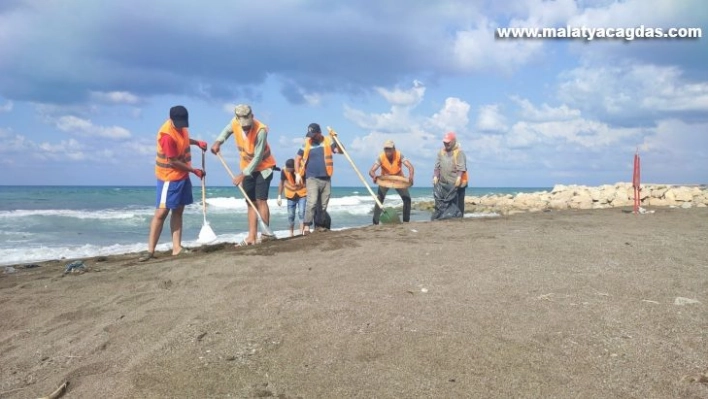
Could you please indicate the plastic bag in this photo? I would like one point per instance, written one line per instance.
(445, 202)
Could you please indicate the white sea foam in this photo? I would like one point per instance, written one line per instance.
(28, 255)
(105, 214)
(481, 215)
(354, 205)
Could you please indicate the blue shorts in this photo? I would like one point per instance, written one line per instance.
(173, 194)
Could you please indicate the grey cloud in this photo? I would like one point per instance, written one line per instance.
(114, 48)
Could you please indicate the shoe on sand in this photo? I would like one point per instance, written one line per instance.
(146, 257)
(244, 243)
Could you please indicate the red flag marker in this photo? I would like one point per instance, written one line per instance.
(635, 182)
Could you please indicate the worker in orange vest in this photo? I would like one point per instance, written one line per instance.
(173, 163)
(391, 162)
(315, 162)
(257, 165)
(295, 194)
(451, 168)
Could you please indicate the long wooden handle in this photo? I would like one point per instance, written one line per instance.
(260, 219)
(333, 134)
(203, 187)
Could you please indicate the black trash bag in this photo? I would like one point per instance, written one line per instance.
(445, 202)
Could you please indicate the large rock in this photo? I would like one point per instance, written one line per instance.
(558, 204)
(659, 202)
(658, 191)
(607, 195)
(582, 200)
(684, 194)
(566, 195)
(595, 194)
(582, 197)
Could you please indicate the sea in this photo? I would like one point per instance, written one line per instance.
(39, 223)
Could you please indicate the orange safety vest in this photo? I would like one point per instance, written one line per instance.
(329, 161)
(163, 169)
(391, 168)
(292, 188)
(454, 158)
(246, 145)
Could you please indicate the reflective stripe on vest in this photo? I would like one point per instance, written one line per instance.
(292, 188)
(329, 162)
(464, 179)
(246, 145)
(391, 168)
(163, 169)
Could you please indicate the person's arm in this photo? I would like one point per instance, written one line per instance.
(337, 149)
(225, 133)
(436, 170)
(374, 168)
(298, 160)
(281, 184)
(199, 143)
(461, 163)
(411, 170)
(258, 152)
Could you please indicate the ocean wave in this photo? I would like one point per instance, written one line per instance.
(354, 205)
(27, 254)
(106, 214)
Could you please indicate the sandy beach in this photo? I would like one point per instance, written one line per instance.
(558, 304)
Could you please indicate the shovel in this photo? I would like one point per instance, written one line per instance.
(206, 235)
(387, 215)
(264, 227)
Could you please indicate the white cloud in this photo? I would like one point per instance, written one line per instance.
(15, 143)
(312, 99)
(418, 137)
(7, 107)
(402, 102)
(404, 98)
(66, 149)
(140, 146)
(675, 148)
(590, 134)
(490, 119)
(454, 115)
(290, 142)
(115, 97)
(85, 127)
(229, 108)
(632, 88)
(545, 112)
(478, 49)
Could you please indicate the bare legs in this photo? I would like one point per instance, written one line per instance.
(264, 210)
(158, 221)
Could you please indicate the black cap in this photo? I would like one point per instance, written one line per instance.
(313, 129)
(290, 163)
(179, 116)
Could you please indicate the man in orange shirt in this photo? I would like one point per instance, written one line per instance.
(173, 163)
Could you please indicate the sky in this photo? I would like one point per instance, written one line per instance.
(84, 86)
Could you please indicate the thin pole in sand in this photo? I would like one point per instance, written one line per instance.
(635, 182)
